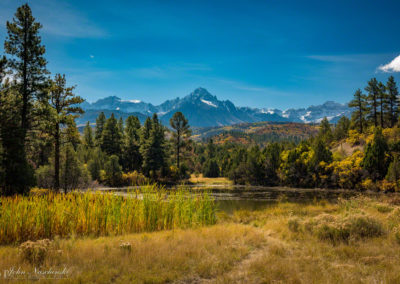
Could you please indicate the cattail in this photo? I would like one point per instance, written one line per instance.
(152, 208)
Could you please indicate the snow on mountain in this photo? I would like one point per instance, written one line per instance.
(203, 109)
(208, 103)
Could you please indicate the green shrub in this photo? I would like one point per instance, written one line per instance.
(294, 225)
(342, 229)
(394, 218)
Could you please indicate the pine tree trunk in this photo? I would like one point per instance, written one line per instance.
(360, 112)
(392, 117)
(382, 112)
(24, 85)
(57, 159)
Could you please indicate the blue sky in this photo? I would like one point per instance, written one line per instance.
(256, 53)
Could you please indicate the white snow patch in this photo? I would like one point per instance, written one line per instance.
(329, 118)
(285, 114)
(208, 103)
(268, 111)
(302, 118)
(132, 101)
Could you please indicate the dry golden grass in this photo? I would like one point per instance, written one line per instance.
(186, 255)
(209, 181)
(280, 244)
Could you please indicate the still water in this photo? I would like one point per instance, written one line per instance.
(258, 198)
(233, 198)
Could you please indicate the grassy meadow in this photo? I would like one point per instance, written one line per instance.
(352, 241)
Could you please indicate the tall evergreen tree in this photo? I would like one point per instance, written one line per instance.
(325, 131)
(28, 66)
(96, 164)
(342, 128)
(73, 173)
(182, 133)
(360, 105)
(17, 174)
(113, 171)
(375, 158)
(71, 133)
(64, 104)
(111, 139)
(100, 121)
(393, 100)
(145, 131)
(272, 162)
(88, 139)
(372, 100)
(121, 126)
(23, 44)
(153, 150)
(3, 64)
(383, 98)
(132, 158)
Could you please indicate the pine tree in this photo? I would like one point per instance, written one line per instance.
(71, 133)
(73, 173)
(96, 164)
(181, 134)
(211, 169)
(28, 66)
(26, 61)
(272, 162)
(211, 149)
(342, 128)
(3, 64)
(393, 173)
(17, 174)
(321, 153)
(145, 131)
(88, 139)
(325, 131)
(132, 158)
(111, 139)
(393, 100)
(372, 100)
(383, 98)
(100, 121)
(113, 171)
(63, 103)
(360, 105)
(153, 149)
(375, 158)
(121, 127)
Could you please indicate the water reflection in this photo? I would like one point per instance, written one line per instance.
(230, 200)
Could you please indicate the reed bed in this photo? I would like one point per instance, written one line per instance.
(149, 209)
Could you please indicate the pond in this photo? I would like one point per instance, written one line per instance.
(259, 198)
(233, 198)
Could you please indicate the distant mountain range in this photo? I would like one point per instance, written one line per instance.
(204, 110)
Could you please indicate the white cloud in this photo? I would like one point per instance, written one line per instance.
(91, 56)
(392, 66)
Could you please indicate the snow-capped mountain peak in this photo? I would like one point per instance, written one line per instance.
(203, 109)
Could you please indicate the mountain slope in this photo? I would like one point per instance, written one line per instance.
(204, 110)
